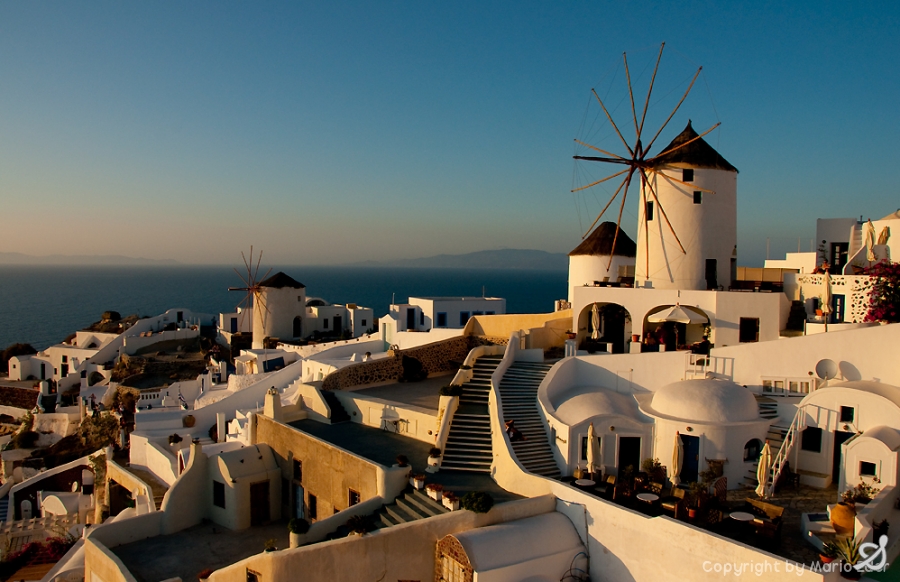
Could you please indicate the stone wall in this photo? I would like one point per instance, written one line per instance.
(18, 397)
(443, 356)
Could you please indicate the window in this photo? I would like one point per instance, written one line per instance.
(325, 323)
(253, 576)
(298, 470)
(687, 175)
(363, 323)
(752, 450)
(352, 498)
(811, 439)
(649, 211)
(300, 298)
(441, 319)
(311, 506)
(584, 447)
(489, 313)
(477, 313)
(463, 317)
(867, 469)
(219, 494)
(65, 359)
(698, 196)
(749, 330)
(847, 413)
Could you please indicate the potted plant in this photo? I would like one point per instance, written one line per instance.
(694, 497)
(418, 481)
(450, 501)
(654, 469)
(271, 544)
(359, 525)
(434, 490)
(434, 458)
(477, 501)
(829, 553)
(880, 529)
(848, 552)
(297, 527)
(402, 461)
(451, 390)
(571, 334)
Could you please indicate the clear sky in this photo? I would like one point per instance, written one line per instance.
(343, 131)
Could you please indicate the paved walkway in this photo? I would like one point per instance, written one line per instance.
(424, 394)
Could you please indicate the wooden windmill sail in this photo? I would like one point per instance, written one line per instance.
(253, 298)
(638, 164)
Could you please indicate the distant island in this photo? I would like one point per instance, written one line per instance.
(497, 259)
(80, 260)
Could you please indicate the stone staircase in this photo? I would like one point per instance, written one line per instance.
(338, 414)
(768, 407)
(775, 437)
(468, 446)
(518, 399)
(412, 505)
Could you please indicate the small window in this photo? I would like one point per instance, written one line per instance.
(584, 447)
(441, 319)
(352, 498)
(698, 196)
(811, 439)
(219, 494)
(463, 317)
(363, 323)
(767, 386)
(477, 313)
(687, 175)
(649, 212)
(489, 313)
(253, 576)
(867, 469)
(749, 331)
(847, 413)
(299, 297)
(312, 506)
(65, 359)
(752, 450)
(298, 470)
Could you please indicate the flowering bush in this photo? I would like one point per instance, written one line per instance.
(884, 298)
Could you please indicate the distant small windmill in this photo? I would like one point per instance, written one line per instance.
(254, 297)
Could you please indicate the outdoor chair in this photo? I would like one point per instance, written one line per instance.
(673, 502)
(605, 488)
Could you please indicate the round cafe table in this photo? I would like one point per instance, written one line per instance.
(584, 483)
(648, 497)
(741, 516)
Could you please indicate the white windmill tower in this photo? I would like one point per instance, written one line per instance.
(687, 213)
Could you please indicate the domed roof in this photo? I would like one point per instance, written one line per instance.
(600, 243)
(708, 400)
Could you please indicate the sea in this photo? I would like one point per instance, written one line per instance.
(41, 305)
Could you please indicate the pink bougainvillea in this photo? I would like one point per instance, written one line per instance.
(884, 298)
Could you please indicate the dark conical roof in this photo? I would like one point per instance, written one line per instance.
(698, 153)
(279, 281)
(600, 243)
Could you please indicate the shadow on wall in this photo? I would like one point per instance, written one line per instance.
(850, 372)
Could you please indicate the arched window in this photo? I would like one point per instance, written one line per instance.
(752, 450)
(298, 326)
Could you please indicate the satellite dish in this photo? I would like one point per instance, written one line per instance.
(826, 369)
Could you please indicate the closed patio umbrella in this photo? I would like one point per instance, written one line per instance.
(677, 459)
(870, 242)
(762, 470)
(594, 461)
(595, 322)
(884, 235)
(826, 297)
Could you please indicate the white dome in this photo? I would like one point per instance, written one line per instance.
(705, 400)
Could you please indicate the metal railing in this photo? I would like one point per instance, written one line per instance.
(786, 446)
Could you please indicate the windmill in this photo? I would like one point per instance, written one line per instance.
(253, 297)
(640, 165)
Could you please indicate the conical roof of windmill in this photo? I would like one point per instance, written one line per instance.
(600, 243)
(279, 281)
(698, 154)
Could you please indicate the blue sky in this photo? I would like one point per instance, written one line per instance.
(345, 131)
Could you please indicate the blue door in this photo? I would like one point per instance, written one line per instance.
(691, 463)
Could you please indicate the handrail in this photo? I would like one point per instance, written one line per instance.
(786, 445)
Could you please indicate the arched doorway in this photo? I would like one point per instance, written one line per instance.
(611, 324)
(674, 326)
(298, 326)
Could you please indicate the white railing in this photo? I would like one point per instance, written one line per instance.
(784, 451)
(700, 366)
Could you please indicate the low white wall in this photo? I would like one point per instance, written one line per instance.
(133, 343)
(161, 462)
(187, 500)
(312, 401)
(418, 423)
(369, 342)
(414, 339)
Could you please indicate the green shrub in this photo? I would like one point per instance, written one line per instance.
(298, 526)
(477, 501)
(451, 390)
(359, 524)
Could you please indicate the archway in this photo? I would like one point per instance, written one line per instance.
(752, 450)
(614, 328)
(674, 327)
(298, 326)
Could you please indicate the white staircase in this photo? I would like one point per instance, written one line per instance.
(518, 400)
(468, 446)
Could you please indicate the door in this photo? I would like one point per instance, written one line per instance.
(691, 463)
(338, 324)
(712, 276)
(259, 503)
(234, 325)
(298, 501)
(629, 454)
(410, 319)
(838, 257)
(837, 308)
(840, 437)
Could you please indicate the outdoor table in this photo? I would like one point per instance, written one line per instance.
(584, 483)
(741, 516)
(648, 497)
